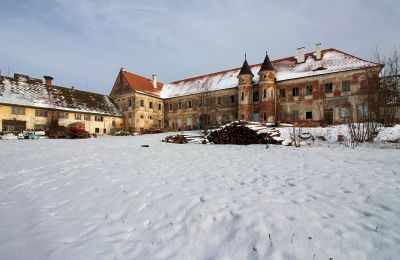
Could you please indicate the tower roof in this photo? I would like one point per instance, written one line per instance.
(245, 70)
(267, 64)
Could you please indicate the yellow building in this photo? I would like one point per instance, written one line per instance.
(29, 104)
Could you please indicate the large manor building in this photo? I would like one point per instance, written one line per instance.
(320, 87)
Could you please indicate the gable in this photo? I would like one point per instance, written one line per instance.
(121, 87)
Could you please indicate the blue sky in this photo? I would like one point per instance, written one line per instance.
(84, 43)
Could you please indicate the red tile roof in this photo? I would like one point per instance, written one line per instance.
(142, 84)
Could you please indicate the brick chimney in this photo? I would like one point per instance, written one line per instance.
(318, 54)
(154, 80)
(300, 55)
(48, 80)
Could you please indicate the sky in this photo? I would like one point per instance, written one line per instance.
(85, 43)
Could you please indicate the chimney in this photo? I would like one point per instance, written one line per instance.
(300, 55)
(47, 80)
(318, 54)
(72, 88)
(154, 80)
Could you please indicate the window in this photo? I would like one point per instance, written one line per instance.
(39, 127)
(232, 99)
(219, 100)
(309, 115)
(97, 130)
(159, 106)
(113, 123)
(141, 116)
(309, 90)
(295, 115)
(150, 117)
(362, 110)
(189, 104)
(282, 93)
(104, 130)
(86, 117)
(41, 113)
(142, 103)
(282, 115)
(264, 93)
(345, 85)
(265, 116)
(150, 104)
(242, 96)
(78, 116)
(179, 105)
(295, 92)
(129, 102)
(329, 88)
(62, 115)
(255, 96)
(242, 116)
(18, 110)
(98, 118)
(344, 112)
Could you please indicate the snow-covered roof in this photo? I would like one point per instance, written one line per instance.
(25, 91)
(287, 68)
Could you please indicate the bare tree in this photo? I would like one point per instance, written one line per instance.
(389, 90)
(377, 101)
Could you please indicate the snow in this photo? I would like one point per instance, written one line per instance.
(332, 61)
(110, 198)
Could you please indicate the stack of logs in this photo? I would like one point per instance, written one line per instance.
(238, 133)
(177, 139)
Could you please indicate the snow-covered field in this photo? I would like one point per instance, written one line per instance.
(110, 198)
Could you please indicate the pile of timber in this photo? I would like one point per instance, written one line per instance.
(242, 133)
(176, 139)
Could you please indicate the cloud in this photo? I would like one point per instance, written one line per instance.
(84, 43)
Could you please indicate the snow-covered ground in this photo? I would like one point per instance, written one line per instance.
(110, 198)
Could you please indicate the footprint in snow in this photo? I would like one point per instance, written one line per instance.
(143, 207)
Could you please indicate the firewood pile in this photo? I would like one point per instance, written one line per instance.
(239, 133)
(145, 131)
(176, 139)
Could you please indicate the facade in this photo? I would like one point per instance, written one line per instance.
(29, 104)
(321, 87)
(138, 98)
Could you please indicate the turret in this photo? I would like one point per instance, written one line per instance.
(245, 91)
(267, 88)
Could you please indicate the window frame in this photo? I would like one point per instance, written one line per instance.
(346, 87)
(20, 111)
(330, 85)
(309, 90)
(295, 92)
(282, 93)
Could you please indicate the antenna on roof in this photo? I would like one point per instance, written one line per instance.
(245, 56)
(122, 68)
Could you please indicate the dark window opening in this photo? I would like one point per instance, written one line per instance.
(295, 92)
(255, 96)
(282, 93)
(309, 115)
(329, 88)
